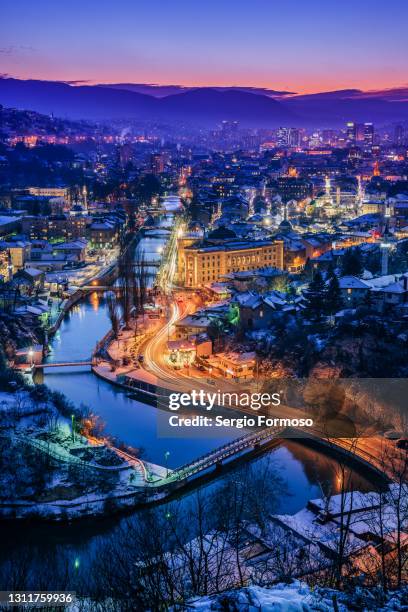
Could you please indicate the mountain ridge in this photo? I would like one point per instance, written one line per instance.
(205, 106)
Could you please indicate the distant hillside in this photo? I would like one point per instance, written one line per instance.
(202, 106)
(334, 108)
(83, 102)
(160, 91)
(211, 106)
(28, 122)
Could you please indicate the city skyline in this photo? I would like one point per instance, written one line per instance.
(296, 48)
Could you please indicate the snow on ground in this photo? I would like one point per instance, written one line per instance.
(24, 425)
(297, 597)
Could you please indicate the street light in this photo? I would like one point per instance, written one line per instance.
(31, 355)
(166, 457)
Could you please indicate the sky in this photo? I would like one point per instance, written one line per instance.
(295, 45)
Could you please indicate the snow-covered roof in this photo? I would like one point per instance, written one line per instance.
(352, 282)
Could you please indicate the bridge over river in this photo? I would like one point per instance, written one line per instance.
(26, 367)
(350, 450)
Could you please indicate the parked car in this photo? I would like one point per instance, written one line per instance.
(392, 434)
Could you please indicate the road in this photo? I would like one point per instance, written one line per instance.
(168, 268)
(156, 347)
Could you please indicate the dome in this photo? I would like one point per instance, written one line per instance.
(222, 233)
(285, 226)
(195, 226)
(260, 204)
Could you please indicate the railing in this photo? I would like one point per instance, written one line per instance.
(232, 448)
(67, 457)
(63, 364)
(229, 449)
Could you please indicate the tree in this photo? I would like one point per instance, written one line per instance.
(113, 312)
(126, 282)
(315, 298)
(140, 284)
(334, 301)
(147, 187)
(352, 263)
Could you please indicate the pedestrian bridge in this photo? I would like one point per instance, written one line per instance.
(61, 364)
(259, 439)
(250, 441)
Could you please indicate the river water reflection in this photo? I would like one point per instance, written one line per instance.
(303, 473)
(300, 472)
(136, 423)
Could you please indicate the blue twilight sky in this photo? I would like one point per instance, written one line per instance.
(300, 45)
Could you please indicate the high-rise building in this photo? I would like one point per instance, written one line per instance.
(157, 163)
(351, 132)
(125, 154)
(329, 137)
(229, 129)
(368, 134)
(294, 137)
(282, 137)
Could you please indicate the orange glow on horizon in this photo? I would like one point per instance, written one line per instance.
(297, 84)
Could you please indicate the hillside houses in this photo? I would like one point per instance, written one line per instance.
(384, 292)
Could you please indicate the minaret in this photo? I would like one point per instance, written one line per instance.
(251, 209)
(327, 184)
(85, 197)
(268, 206)
(360, 192)
(386, 241)
(285, 211)
(216, 214)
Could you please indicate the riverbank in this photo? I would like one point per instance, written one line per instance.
(61, 473)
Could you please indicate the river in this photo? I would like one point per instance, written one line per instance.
(302, 472)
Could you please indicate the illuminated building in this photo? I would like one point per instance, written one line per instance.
(351, 132)
(294, 137)
(294, 188)
(376, 171)
(239, 366)
(51, 192)
(103, 234)
(125, 154)
(368, 134)
(5, 265)
(157, 163)
(54, 226)
(288, 137)
(315, 140)
(329, 137)
(203, 264)
(229, 129)
(282, 137)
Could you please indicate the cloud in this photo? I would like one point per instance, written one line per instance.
(16, 49)
(78, 82)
